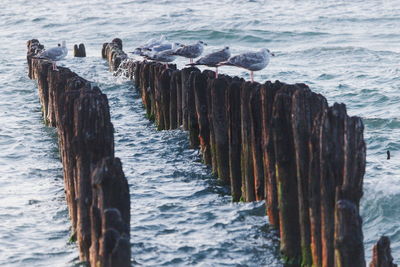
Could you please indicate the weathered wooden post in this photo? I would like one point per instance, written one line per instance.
(220, 125)
(185, 73)
(381, 254)
(136, 75)
(286, 175)
(349, 247)
(306, 106)
(165, 83)
(145, 88)
(200, 90)
(256, 141)
(110, 215)
(214, 165)
(268, 91)
(173, 103)
(248, 186)
(331, 160)
(79, 51)
(193, 124)
(234, 135)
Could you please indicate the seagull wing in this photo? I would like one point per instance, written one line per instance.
(246, 60)
(189, 50)
(213, 59)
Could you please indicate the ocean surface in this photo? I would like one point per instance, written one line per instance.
(349, 51)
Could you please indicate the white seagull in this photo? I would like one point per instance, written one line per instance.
(252, 61)
(55, 54)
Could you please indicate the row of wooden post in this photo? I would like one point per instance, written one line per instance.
(273, 141)
(96, 189)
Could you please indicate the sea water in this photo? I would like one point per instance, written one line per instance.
(349, 51)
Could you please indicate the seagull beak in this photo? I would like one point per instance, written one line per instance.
(204, 43)
(272, 54)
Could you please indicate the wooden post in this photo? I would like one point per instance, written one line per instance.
(185, 73)
(110, 215)
(331, 160)
(220, 126)
(306, 106)
(145, 89)
(200, 91)
(173, 98)
(248, 187)
(164, 99)
(256, 141)
(193, 124)
(214, 165)
(159, 82)
(349, 247)
(268, 91)
(234, 134)
(286, 175)
(381, 254)
(79, 51)
(103, 51)
(136, 75)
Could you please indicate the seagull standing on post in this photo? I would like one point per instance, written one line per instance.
(252, 61)
(55, 54)
(165, 56)
(213, 59)
(191, 51)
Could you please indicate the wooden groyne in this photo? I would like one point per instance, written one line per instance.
(273, 141)
(96, 189)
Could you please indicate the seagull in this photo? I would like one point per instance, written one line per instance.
(252, 61)
(191, 51)
(55, 54)
(149, 44)
(165, 56)
(211, 60)
(164, 46)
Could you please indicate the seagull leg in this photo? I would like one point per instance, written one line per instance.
(252, 76)
(54, 66)
(216, 72)
(191, 61)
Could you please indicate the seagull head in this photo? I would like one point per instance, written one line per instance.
(269, 52)
(177, 45)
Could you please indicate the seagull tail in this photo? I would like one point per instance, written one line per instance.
(194, 64)
(224, 63)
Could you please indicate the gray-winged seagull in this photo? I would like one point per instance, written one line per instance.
(252, 61)
(212, 60)
(55, 54)
(191, 51)
(165, 46)
(149, 44)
